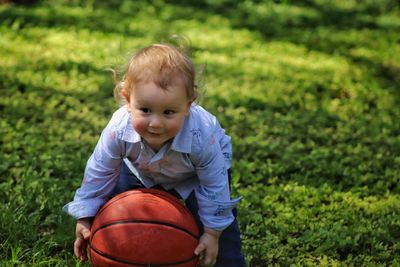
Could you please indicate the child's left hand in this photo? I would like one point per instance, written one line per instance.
(208, 247)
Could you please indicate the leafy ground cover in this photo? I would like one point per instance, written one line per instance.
(308, 90)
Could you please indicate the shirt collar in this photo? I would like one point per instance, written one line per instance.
(183, 140)
(128, 132)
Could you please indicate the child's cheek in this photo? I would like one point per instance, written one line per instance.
(139, 125)
(174, 127)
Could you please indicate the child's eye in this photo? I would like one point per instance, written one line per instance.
(169, 112)
(145, 110)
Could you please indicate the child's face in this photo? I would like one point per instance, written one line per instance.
(158, 114)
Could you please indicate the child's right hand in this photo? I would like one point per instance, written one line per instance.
(82, 233)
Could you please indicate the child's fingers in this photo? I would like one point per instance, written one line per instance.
(85, 234)
(77, 247)
(207, 260)
(84, 250)
(82, 232)
(199, 249)
(80, 247)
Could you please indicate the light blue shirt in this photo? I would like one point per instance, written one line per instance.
(196, 159)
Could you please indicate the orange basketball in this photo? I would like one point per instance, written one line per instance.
(143, 227)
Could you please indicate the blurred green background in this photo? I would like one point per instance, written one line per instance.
(309, 91)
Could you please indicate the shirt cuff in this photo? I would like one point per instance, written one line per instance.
(83, 208)
(216, 214)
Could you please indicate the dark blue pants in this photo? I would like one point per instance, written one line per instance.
(229, 255)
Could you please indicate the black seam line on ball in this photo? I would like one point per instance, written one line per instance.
(148, 222)
(141, 264)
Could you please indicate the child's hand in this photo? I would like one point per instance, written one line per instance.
(208, 247)
(82, 233)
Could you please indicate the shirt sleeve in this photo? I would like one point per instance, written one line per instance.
(101, 173)
(213, 194)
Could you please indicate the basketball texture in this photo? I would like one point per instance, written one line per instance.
(143, 227)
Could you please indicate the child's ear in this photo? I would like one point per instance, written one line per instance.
(189, 104)
(127, 98)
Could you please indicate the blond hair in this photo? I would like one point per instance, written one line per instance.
(161, 64)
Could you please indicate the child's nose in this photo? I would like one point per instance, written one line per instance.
(155, 122)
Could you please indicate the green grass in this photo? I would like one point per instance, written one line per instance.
(308, 90)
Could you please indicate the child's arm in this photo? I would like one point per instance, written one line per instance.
(101, 173)
(213, 192)
(213, 197)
